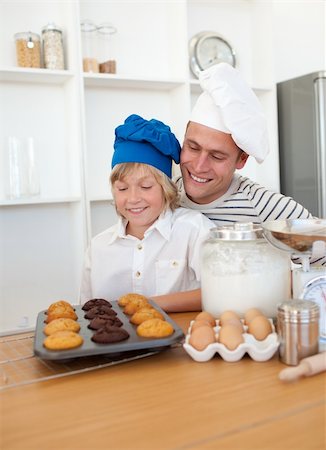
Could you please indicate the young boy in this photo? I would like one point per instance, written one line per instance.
(154, 247)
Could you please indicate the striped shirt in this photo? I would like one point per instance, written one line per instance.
(247, 201)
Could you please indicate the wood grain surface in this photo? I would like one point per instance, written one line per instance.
(168, 401)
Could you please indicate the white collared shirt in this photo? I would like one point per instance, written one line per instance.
(166, 260)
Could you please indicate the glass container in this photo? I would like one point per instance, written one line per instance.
(28, 49)
(89, 44)
(241, 270)
(106, 49)
(21, 174)
(53, 54)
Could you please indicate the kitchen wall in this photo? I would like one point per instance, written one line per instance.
(299, 37)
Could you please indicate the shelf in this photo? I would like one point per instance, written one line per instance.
(43, 76)
(114, 81)
(37, 201)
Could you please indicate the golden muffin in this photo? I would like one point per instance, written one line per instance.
(61, 324)
(134, 305)
(144, 314)
(155, 328)
(63, 340)
(125, 299)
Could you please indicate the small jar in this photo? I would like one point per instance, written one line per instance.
(298, 330)
(21, 168)
(53, 54)
(241, 270)
(107, 61)
(89, 44)
(28, 49)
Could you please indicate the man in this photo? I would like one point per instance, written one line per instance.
(227, 126)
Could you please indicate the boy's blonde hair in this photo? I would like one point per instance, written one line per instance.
(169, 188)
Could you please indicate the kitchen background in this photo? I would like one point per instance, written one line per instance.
(64, 119)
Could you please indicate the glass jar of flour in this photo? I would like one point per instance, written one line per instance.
(241, 270)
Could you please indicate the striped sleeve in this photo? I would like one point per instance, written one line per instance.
(270, 205)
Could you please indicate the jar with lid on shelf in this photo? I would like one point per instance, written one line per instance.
(89, 46)
(107, 61)
(28, 49)
(53, 53)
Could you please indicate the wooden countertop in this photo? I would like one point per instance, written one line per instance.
(167, 401)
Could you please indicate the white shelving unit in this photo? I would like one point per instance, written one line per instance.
(72, 116)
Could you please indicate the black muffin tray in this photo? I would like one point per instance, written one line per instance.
(89, 348)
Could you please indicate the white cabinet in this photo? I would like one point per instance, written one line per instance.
(72, 116)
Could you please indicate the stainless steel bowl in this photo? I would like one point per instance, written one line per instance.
(295, 236)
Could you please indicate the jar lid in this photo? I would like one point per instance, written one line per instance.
(87, 26)
(106, 29)
(241, 231)
(51, 26)
(298, 310)
(27, 35)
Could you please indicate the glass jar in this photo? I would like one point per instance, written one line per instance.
(53, 54)
(107, 60)
(21, 169)
(241, 270)
(28, 49)
(89, 44)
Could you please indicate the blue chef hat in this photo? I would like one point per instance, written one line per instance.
(146, 141)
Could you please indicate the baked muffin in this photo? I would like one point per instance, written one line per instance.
(61, 313)
(63, 340)
(59, 305)
(144, 314)
(61, 324)
(134, 305)
(96, 302)
(155, 328)
(100, 311)
(109, 335)
(125, 299)
(100, 321)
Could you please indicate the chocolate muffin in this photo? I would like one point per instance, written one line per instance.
(96, 302)
(100, 321)
(109, 335)
(100, 311)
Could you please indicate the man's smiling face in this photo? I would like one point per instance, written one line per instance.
(208, 161)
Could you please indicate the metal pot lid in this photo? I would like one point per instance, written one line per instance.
(241, 231)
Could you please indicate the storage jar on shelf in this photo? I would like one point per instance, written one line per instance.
(107, 60)
(28, 49)
(53, 53)
(89, 44)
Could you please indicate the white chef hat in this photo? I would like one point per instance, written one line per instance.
(228, 104)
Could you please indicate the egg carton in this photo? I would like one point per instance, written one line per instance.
(257, 350)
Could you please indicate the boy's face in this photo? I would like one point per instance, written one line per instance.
(208, 161)
(139, 199)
